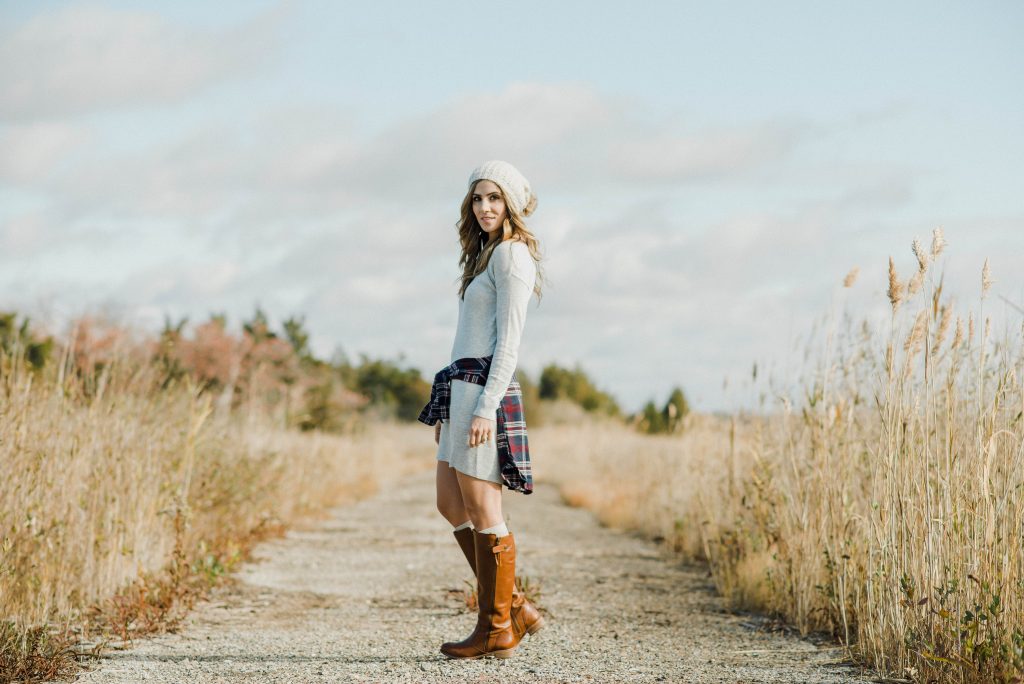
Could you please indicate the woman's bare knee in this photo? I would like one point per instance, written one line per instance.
(482, 500)
(449, 496)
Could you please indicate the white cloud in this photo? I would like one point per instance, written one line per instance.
(22, 233)
(302, 165)
(81, 58)
(674, 156)
(32, 151)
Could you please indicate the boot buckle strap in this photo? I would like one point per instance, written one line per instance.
(496, 550)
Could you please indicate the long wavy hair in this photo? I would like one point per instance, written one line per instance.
(477, 246)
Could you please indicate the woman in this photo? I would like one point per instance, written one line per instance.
(476, 403)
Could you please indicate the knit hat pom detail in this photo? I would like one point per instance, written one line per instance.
(531, 205)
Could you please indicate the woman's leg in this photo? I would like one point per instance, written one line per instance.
(481, 499)
(449, 495)
(498, 630)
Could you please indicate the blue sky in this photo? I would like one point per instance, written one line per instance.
(707, 172)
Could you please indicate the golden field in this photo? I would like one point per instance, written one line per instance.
(116, 510)
(883, 503)
(881, 500)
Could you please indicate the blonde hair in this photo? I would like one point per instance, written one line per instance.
(477, 245)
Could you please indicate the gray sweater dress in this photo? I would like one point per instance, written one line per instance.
(491, 321)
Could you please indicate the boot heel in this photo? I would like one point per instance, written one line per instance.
(536, 626)
(506, 653)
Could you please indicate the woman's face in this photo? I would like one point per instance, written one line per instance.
(488, 206)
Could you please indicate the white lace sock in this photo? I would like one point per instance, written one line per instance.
(468, 523)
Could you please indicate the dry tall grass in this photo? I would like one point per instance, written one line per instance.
(884, 502)
(102, 489)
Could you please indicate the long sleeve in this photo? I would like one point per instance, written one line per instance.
(514, 274)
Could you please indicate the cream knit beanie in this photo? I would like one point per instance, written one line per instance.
(515, 186)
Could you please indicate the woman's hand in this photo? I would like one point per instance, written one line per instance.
(481, 430)
(437, 432)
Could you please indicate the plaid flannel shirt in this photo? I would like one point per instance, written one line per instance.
(510, 435)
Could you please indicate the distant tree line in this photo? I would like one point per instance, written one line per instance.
(668, 418)
(16, 340)
(278, 367)
(562, 383)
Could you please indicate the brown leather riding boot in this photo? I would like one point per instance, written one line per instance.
(496, 572)
(526, 619)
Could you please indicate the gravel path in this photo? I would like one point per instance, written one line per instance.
(364, 596)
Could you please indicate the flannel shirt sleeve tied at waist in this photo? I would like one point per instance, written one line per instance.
(510, 434)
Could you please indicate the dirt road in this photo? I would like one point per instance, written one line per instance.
(364, 596)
